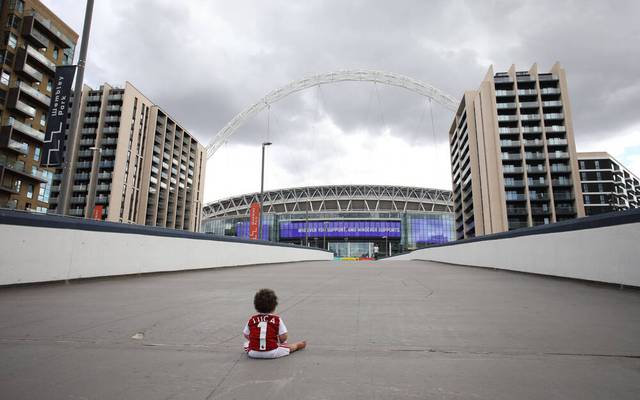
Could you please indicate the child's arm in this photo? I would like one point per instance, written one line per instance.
(283, 337)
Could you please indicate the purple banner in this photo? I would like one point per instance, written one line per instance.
(342, 229)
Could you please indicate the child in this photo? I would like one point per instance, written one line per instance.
(265, 332)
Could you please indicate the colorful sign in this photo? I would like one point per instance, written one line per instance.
(97, 212)
(254, 221)
(341, 229)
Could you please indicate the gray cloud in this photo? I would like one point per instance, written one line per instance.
(204, 61)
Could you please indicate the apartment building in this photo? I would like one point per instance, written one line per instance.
(607, 185)
(34, 41)
(135, 163)
(513, 153)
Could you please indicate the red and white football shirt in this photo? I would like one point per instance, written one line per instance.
(263, 331)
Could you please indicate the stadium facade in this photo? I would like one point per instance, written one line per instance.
(350, 220)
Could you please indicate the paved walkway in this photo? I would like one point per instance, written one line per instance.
(393, 330)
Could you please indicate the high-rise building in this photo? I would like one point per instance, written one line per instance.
(513, 154)
(34, 41)
(607, 185)
(134, 162)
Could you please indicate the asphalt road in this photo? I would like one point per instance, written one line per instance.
(392, 330)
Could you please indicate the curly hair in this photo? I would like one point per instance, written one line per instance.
(265, 301)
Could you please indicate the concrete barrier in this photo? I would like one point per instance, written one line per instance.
(40, 248)
(603, 248)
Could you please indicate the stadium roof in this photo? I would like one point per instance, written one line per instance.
(337, 198)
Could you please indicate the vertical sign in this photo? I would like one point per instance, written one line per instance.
(97, 212)
(254, 221)
(52, 154)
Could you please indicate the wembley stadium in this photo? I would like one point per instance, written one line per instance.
(353, 221)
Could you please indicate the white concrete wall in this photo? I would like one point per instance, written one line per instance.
(34, 254)
(608, 254)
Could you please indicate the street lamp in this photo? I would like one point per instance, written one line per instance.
(265, 144)
(386, 244)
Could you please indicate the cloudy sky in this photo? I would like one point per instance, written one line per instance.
(205, 61)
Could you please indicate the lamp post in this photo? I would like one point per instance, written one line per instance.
(265, 144)
(386, 244)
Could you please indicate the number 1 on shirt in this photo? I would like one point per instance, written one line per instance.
(263, 334)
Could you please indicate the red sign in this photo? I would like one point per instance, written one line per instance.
(97, 212)
(254, 221)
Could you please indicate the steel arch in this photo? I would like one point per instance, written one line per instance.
(386, 78)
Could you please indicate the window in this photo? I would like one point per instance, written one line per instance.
(582, 164)
(43, 120)
(49, 85)
(36, 154)
(17, 6)
(7, 57)
(18, 185)
(13, 41)
(55, 53)
(4, 78)
(30, 191)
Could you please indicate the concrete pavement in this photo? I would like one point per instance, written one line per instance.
(392, 330)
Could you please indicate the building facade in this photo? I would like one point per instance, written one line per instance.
(34, 41)
(513, 153)
(607, 185)
(135, 163)
(350, 220)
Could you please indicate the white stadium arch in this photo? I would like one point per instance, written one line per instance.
(386, 78)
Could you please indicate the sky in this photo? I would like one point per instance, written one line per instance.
(205, 61)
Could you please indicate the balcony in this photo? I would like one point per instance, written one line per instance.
(510, 143)
(76, 212)
(18, 147)
(78, 200)
(41, 60)
(504, 156)
(529, 104)
(513, 183)
(517, 211)
(552, 103)
(104, 175)
(537, 183)
(48, 28)
(34, 36)
(540, 210)
(107, 164)
(560, 168)
(533, 143)
(534, 156)
(87, 142)
(533, 196)
(83, 165)
(110, 129)
(536, 169)
(530, 117)
(562, 182)
(562, 196)
(81, 177)
(85, 153)
(14, 103)
(554, 116)
(517, 225)
(103, 188)
(532, 129)
(558, 155)
(550, 91)
(113, 118)
(565, 210)
(510, 169)
(109, 141)
(547, 77)
(499, 106)
(33, 94)
(516, 197)
(25, 70)
(505, 93)
(102, 199)
(557, 142)
(555, 128)
(527, 92)
(19, 169)
(507, 117)
(79, 188)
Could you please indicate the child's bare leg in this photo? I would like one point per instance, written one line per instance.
(297, 346)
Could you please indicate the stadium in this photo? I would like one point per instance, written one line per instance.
(352, 221)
